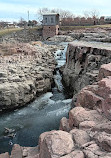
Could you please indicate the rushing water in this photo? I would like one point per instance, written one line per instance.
(42, 115)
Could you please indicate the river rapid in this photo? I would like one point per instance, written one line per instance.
(44, 114)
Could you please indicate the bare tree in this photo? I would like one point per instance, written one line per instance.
(95, 14)
(91, 14)
(40, 13)
(63, 13)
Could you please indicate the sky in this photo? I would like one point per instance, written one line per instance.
(13, 10)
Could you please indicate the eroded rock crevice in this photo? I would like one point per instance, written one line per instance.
(83, 60)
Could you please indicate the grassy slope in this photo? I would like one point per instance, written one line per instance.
(4, 32)
(8, 31)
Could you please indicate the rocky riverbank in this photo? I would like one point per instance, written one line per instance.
(26, 71)
(87, 132)
(98, 34)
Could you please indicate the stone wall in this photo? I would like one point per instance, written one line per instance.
(50, 31)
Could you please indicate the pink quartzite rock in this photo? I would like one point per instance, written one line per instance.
(102, 127)
(5, 155)
(35, 156)
(80, 137)
(30, 152)
(97, 96)
(87, 125)
(64, 124)
(87, 98)
(79, 114)
(74, 154)
(104, 140)
(104, 71)
(55, 144)
(92, 150)
(83, 60)
(16, 151)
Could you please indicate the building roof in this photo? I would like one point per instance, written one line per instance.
(50, 14)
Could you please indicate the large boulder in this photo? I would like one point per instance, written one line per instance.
(80, 137)
(102, 127)
(55, 144)
(17, 151)
(4, 155)
(64, 124)
(104, 140)
(78, 115)
(97, 96)
(104, 71)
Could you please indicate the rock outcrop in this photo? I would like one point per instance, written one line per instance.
(83, 60)
(98, 95)
(55, 144)
(61, 38)
(26, 71)
(97, 34)
(5, 155)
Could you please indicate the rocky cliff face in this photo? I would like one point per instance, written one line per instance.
(98, 95)
(83, 60)
(26, 71)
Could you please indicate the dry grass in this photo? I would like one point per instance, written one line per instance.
(8, 31)
(11, 30)
(66, 28)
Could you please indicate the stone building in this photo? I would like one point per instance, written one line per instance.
(50, 25)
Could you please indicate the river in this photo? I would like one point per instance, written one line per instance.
(44, 114)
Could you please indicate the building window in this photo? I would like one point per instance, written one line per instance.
(52, 20)
(45, 20)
